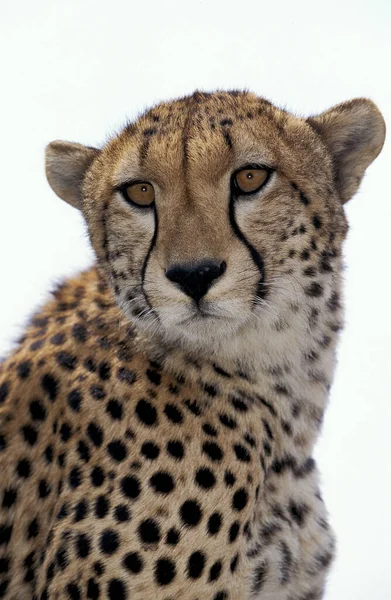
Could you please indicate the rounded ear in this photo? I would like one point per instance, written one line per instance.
(66, 165)
(354, 133)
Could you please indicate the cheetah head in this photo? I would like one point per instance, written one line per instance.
(213, 214)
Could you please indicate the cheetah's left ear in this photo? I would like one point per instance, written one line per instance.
(66, 166)
(354, 133)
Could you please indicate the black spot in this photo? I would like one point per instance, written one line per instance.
(234, 563)
(175, 449)
(73, 591)
(259, 577)
(93, 591)
(97, 476)
(117, 450)
(82, 545)
(211, 390)
(239, 405)
(215, 571)
(150, 450)
(242, 453)
(57, 339)
(9, 497)
(164, 571)
(121, 513)
(240, 499)
(221, 596)
(133, 562)
(154, 376)
(173, 414)
(213, 451)
(220, 371)
(49, 453)
(172, 537)
(205, 478)
(5, 534)
(298, 512)
(195, 565)
(149, 531)
(162, 482)
(23, 370)
(315, 290)
(101, 507)
(23, 468)
(90, 365)
(304, 199)
(30, 434)
(50, 386)
(83, 451)
(95, 434)
(116, 590)
(234, 531)
(104, 371)
(193, 407)
(317, 222)
(126, 375)
(37, 411)
(150, 131)
(286, 562)
(109, 541)
(130, 487)
(65, 432)
(146, 413)
(214, 523)
(81, 510)
(75, 477)
(209, 429)
(191, 513)
(309, 272)
(4, 389)
(229, 478)
(79, 332)
(228, 421)
(97, 392)
(44, 489)
(74, 400)
(66, 360)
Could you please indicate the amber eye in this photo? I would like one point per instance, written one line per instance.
(141, 193)
(250, 180)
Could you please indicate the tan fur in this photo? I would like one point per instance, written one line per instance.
(119, 378)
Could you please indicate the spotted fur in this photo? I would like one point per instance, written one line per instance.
(151, 448)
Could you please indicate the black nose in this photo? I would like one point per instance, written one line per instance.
(196, 279)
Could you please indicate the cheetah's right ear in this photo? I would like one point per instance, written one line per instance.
(66, 165)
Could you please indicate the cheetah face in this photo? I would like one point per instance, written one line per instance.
(213, 214)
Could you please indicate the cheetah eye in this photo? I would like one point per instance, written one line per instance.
(250, 179)
(140, 193)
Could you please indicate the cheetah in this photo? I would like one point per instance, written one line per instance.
(158, 416)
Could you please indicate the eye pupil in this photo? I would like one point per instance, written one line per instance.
(249, 175)
(144, 188)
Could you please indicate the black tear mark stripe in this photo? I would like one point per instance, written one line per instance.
(260, 292)
(144, 267)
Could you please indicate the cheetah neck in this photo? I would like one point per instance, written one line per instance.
(287, 360)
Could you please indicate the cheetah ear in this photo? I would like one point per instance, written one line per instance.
(354, 133)
(66, 165)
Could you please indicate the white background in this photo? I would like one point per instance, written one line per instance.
(75, 70)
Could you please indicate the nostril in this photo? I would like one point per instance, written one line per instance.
(223, 267)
